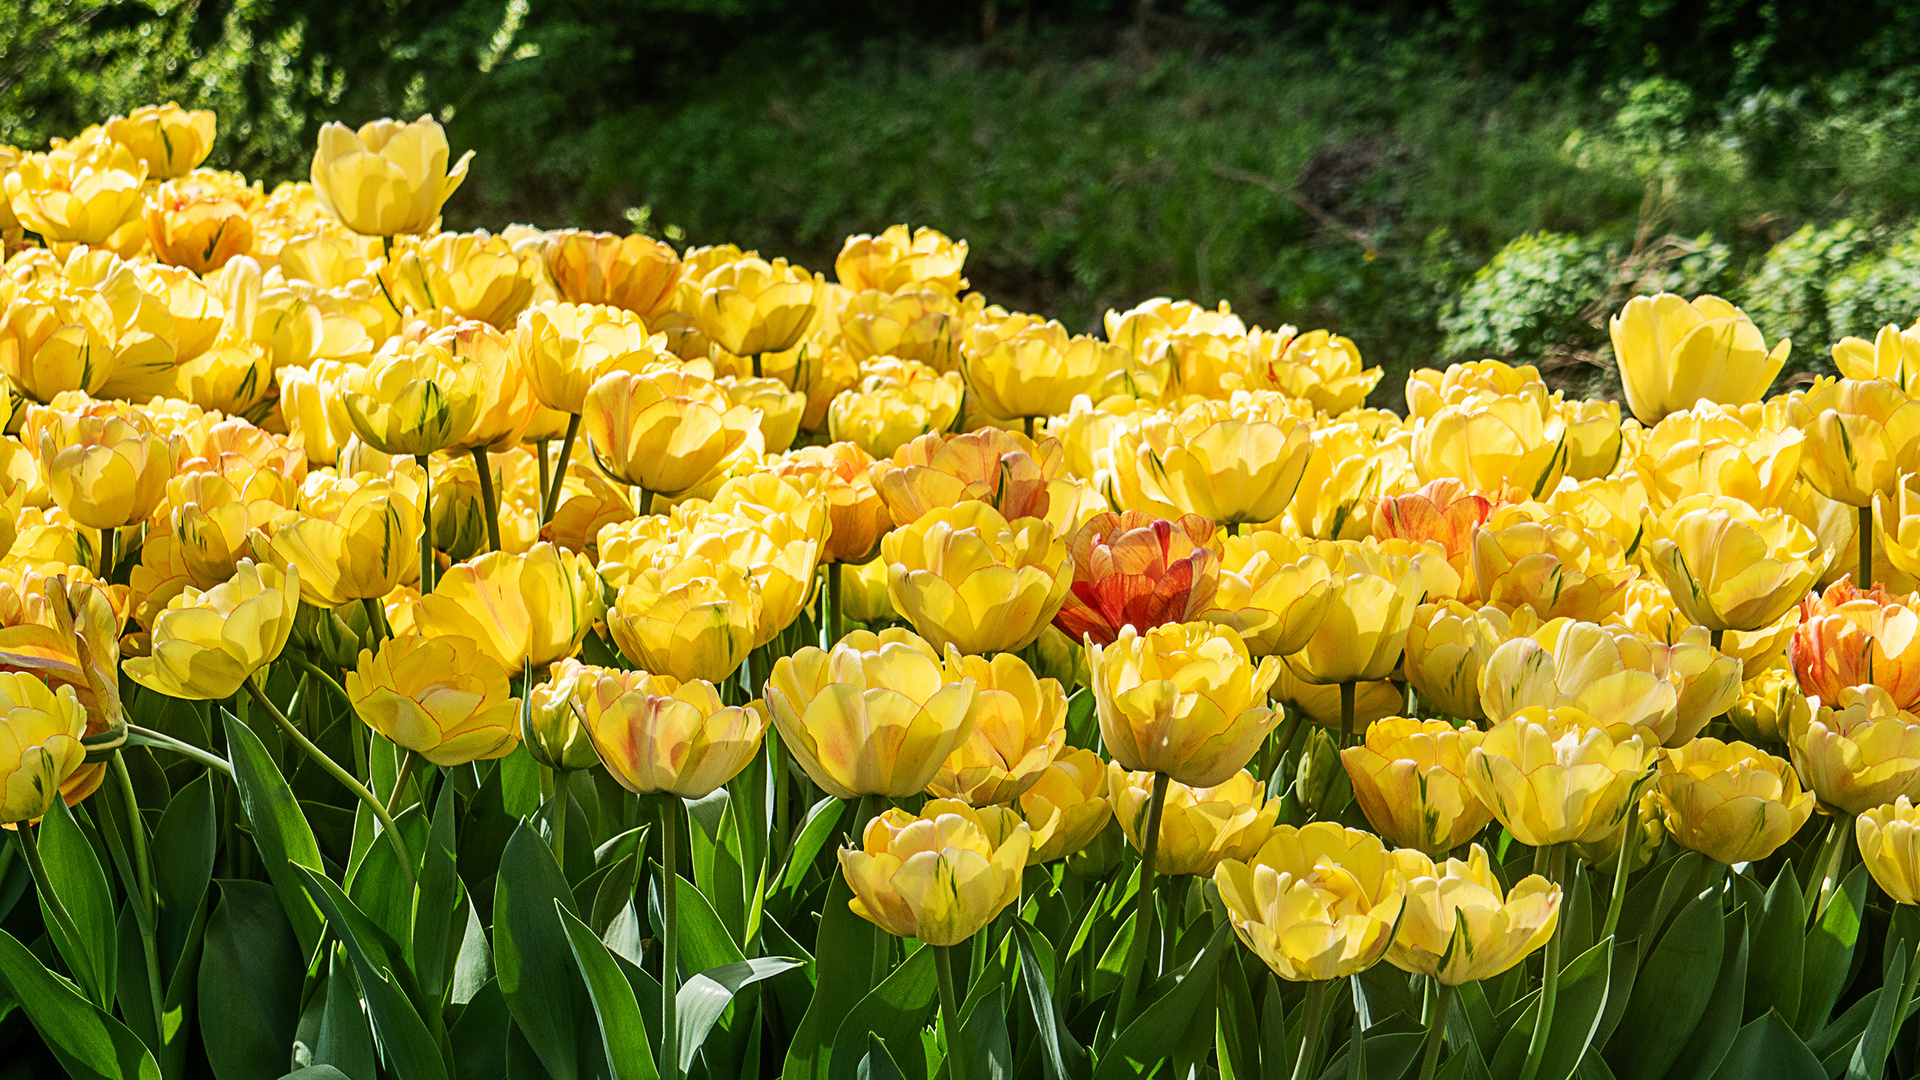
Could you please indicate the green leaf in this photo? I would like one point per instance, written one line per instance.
(249, 983)
(436, 934)
(622, 1030)
(1083, 730)
(77, 878)
(1671, 993)
(894, 1011)
(842, 973)
(878, 1064)
(89, 1044)
(815, 832)
(530, 953)
(184, 844)
(705, 996)
(1767, 1049)
(408, 1048)
(346, 1038)
(1719, 1025)
(1144, 1044)
(1829, 956)
(705, 943)
(280, 831)
(1779, 947)
(1062, 1056)
(1870, 1053)
(1576, 1016)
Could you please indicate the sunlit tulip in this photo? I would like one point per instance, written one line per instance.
(355, 542)
(1528, 555)
(1459, 925)
(864, 591)
(1494, 442)
(388, 178)
(1038, 371)
(1849, 637)
(171, 140)
(86, 192)
(1858, 751)
(1552, 776)
(1861, 436)
(897, 260)
(664, 432)
(634, 272)
(920, 325)
(474, 275)
(54, 339)
(780, 409)
(1731, 567)
(1182, 699)
(1890, 846)
(894, 402)
(565, 348)
(1673, 353)
(1445, 652)
(1706, 450)
(751, 306)
(1445, 511)
(1594, 442)
(859, 517)
(207, 644)
(196, 230)
(1729, 801)
(1133, 570)
(1067, 805)
(312, 400)
(520, 609)
(1373, 599)
(1770, 706)
(657, 733)
(1893, 354)
(1409, 777)
(418, 398)
(1272, 591)
(1233, 462)
(1429, 389)
(939, 876)
(104, 470)
(1315, 903)
(212, 513)
(553, 726)
(1668, 691)
(875, 715)
(1019, 728)
(1322, 369)
(694, 620)
(40, 746)
(1004, 469)
(443, 698)
(1199, 826)
(969, 577)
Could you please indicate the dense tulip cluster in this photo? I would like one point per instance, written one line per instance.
(733, 535)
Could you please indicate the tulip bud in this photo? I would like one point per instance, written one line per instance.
(1604, 854)
(551, 724)
(1321, 783)
(1101, 855)
(1770, 707)
(322, 632)
(1314, 903)
(940, 876)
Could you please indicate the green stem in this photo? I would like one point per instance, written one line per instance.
(1622, 867)
(833, 596)
(1143, 921)
(540, 456)
(187, 750)
(1906, 994)
(1866, 547)
(1277, 749)
(557, 813)
(108, 539)
(426, 523)
(1028, 421)
(30, 847)
(407, 761)
(488, 497)
(1839, 842)
(1347, 693)
(872, 806)
(957, 1064)
(333, 769)
(756, 365)
(670, 957)
(1543, 1021)
(560, 470)
(149, 903)
(645, 507)
(320, 673)
(377, 619)
(1316, 1007)
(1436, 1033)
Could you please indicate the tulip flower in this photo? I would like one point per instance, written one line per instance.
(657, 733)
(171, 140)
(54, 339)
(1373, 600)
(349, 542)
(1234, 462)
(1447, 643)
(1409, 777)
(565, 348)
(750, 307)
(1445, 511)
(1729, 566)
(1019, 728)
(968, 577)
(199, 231)
(86, 192)
(1556, 775)
(1349, 474)
(663, 432)
(212, 513)
(693, 621)
(553, 725)
(1067, 805)
(419, 398)
(104, 470)
(1850, 637)
(1459, 925)
(858, 515)
(1318, 367)
(1705, 450)
(1770, 706)
(634, 272)
(1670, 691)
(388, 178)
(897, 260)
(1132, 570)
(1038, 372)
(1860, 437)
(1674, 353)
(1527, 555)
(474, 275)
(1730, 801)
(894, 402)
(520, 609)
(443, 698)
(941, 875)
(1431, 389)
(923, 325)
(875, 715)
(1003, 469)
(1200, 827)
(1859, 751)
(1493, 442)
(40, 745)
(1890, 846)
(1185, 700)
(1273, 591)
(206, 645)
(1315, 903)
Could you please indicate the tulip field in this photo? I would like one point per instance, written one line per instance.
(555, 654)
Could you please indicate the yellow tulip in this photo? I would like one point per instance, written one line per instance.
(1019, 728)
(1199, 826)
(1315, 903)
(1528, 555)
(386, 179)
(1729, 801)
(864, 590)
(1893, 354)
(520, 609)
(692, 620)
(1729, 566)
(657, 733)
(554, 725)
(171, 140)
(897, 260)
(54, 339)
(780, 409)
(565, 348)
(1428, 391)
(1447, 643)
(312, 401)
(206, 645)
(919, 325)
(1553, 776)
(1318, 367)
(444, 698)
(419, 398)
(195, 230)
(1770, 706)
(858, 516)
(105, 471)
(1674, 353)
(86, 192)
(1233, 462)
(1705, 450)
(1272, 591)
(1003, 469)
(1067, 805)
(39, 745)
(1409, 777)
(1890, 846)
(1183, 699)
(212, 513)
(1038, 371)
(1493, 442)
(349, 540)
(1861, 436)
(966, 576)
(750, 306)
(1371, 609)
(1858, 752)
(895, 402)
(940, 876)
(1460, 926)
(875, 715)
(1668, 691)
(664, 431)
(474, 275)
(634, 272)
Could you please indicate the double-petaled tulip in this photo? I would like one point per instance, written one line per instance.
(692, 620)
(1861, 437)
(105, 470)
(1858, 751)
(1318, 367)
(1369, 612)
(1038, 371)
(553, 725)
(1528, 555)
(1893, 354)
(1445, 651)
(1849, 637)
(941, 875)
(1409, 778)
(664, 432)
(1770, 706)
(40, 732)
(634, 272)
(1315, 903)
(875, 715)
(1019, 727)
(1493, 442)
(750, 306)
(858, 516)
(920, 325)
(206, 645)
(1067, 805)
(474, 275)
(1199, 826)
(1004, 469)
(212, 513)
(657, 733)
(1708, 450)
(172, 141)
(1729, 801)
(418, 398)
(968, 577)
(1730, 566)
(1557, 775)
(896, 259)
(1273, 591)
(196, 229)
(443, 698)
(1130, 569)
(894, 402)
(524, 608)
(1235, 461)
(1674, 353)
(54, 339)
(1445, 511)
(386, 179)
(1431, 389)
(1669, 691)
(1349, 473)
(86, 192)
(1460, 926)
(1183, 699)
(1889, 839)
(565, 348)
(349, 541)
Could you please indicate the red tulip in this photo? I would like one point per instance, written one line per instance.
(1132, 569)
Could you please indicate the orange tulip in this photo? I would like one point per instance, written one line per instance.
(1131, 569)
(1850, 638)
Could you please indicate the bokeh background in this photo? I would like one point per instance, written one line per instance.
(1437, 180)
